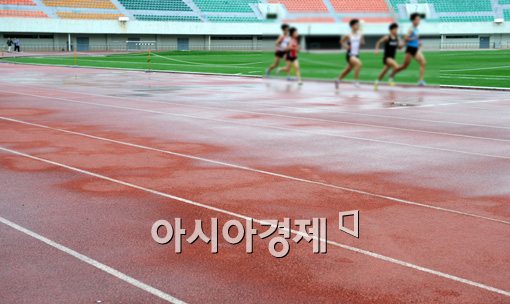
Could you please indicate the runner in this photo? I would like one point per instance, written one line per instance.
(352, 43)
(292, 55)
(413, 43)
(281, 46)
(391, 44)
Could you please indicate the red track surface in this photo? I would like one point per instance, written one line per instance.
(431, 183)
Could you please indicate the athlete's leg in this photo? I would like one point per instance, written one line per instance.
(297, 69)
(346, 71)
(274, 65)
(287, 67)
(356, 62)
(383, 72)
(405, 65)
(423, 63)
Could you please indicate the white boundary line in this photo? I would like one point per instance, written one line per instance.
(241, 216)
(124, 277)
(473, 88)
(472, 77)
(208, 64)
(245, 168)
(478, 69)
(271, 127)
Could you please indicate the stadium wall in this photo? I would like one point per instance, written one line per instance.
(53, 34)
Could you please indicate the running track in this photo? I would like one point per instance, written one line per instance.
(90, 159)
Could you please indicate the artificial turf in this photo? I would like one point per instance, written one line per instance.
(463, 68)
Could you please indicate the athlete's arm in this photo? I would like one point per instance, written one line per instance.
(279, 40)
(401, 44)
(381, 41)
(408, 35)
(343, 42)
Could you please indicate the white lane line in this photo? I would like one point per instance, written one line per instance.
(262, 222)
(478, 69)
(114, 272)
(250, 169)
(209, 64)
(476, 75)
(473, 77)
(131, 62)
(386, 142)
(296, 117)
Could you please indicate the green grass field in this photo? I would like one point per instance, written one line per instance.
(465, 68)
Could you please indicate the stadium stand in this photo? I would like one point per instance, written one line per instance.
(322, 11)
(159, 5)
(99, 4)
(18, 2)
(303, 6)
(231, 6)
(72, 15)
(22, 14)
(360, 6)
(167, 18)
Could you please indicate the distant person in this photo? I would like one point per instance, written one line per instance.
(292, 54)
(281, 45)
(9, 45)
(412, 39)
(352, 43)
(17, 45)
(391, 45)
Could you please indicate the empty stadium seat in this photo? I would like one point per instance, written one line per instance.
(22, 14)
(167, 18)
(238, 6)
(233, 19)
(73, 15)
(310, 11)
(360, 5)
(295, 6)
(100, 4)
(18, 2)
(155, 5)
(461, 5)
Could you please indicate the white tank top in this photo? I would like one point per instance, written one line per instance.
(355, 43)
(284, 43)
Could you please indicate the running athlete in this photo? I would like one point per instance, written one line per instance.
(292, 56)
(391, 44)
(352, 43)
(413, 43)
(281, 46)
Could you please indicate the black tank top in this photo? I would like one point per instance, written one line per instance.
(390, 49)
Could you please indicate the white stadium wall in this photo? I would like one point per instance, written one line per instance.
(112, 35)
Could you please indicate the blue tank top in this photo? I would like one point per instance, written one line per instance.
(414, 39)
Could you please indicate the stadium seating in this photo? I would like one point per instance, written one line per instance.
(507, 14)
(360, 6)
(309, 11)
(167, 18)
(453, 10)
(72, 15)
(102, 4)
(18, 2)
(303, 5)
(156, 5)
(22, 14)
(461, 5)
(238, 6)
